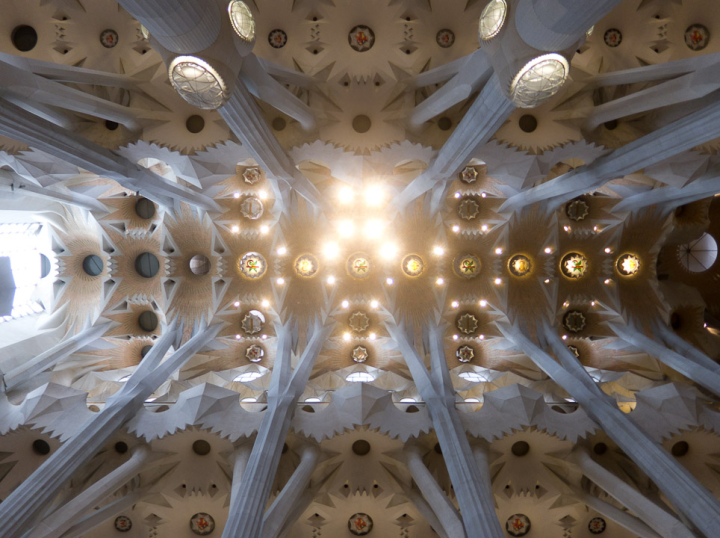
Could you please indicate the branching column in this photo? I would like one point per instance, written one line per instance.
(33, 496)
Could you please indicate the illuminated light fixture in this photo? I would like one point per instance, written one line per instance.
(484, 227)
(280, 281)
(592, 303)
(492, 19)
(440, 281)
(372, 336)
(313, 400)
(473, 377)
(548, 250)
(331, 250)
(263, 195)
(236, 304)
(498, 251)
(345, 304)
(408, 400)
(264, 337)
(265, 303)
(390, 282)
(246, 377)
(346, 228)
(346, 195)
(547, 281)
(566, 304)
(346, 337)
(456, 337)
(498, 281)
(236, 195)
(235, 229)
(374, 195)
(457, 194)
(607, 281)
(454, 304)
(331, 280)
(481, 337)
(483, 195)
(628, 264)
(388, 251)
(608, 250)
(360, 377)
(566, 228)
(238, 337)
(374, 304)
(264, 229)
(249, 399)
(595, 228)
(539, 80)
(198, 83)
(281, 251)
(483, 303)
(564, 336)
(242, 20)
(439, 251)
(456, 228)
(472, 400)
(373, 228)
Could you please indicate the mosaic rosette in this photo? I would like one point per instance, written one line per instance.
(517, 525)
(253, 265)
(109, 39)
(254, 353)
(628, 264)
(253, 322)
(574, 265)
(465, 354)
(123, 524)
(360, 524)
(577, 210)
(467, 323)
(519, 265)
(469, 175)
(359, 321)
(307, 266)
(468, 209)
(251, 208)
(360, 354)
(413, 265)
(359, 266)
(697, 37)
(202, 524)
(574, 321)
(445, 38)
(613, 37)
(361, 38)
(277, 39)
(597, 525)
(574, 350)
(251, 175)
(467, 266)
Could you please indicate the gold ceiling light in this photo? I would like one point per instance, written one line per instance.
(628, 264)
(242, 20)
(492, 19)
(539, 80)
(198, 82)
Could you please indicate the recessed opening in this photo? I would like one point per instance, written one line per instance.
(111, 125)
(361, 447)
(600, 448)
(145, 350)
(195, 123)
(40, 447)
(45, 266)
(679, 449)
(24, 38)
(200, 265)
(521, 448)
(145, 209)
(201, 447)
(148, 321)
(121, 447)
(308, 408)
(93, 265)
(675, 321)
(361, 124)
(528, 123)
(445, 124)
(285, 448)
(147, 265)
(412, 409)
(437, 448)
(279, 124)
(611, 125)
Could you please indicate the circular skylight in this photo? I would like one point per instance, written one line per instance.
(197, 82)
(539, 80)
(242, 20)
(492, 19)
(699, 255)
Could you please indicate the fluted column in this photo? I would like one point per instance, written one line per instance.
(442, 507)
(183, 27)
(53, 356)
(655, 517)
(33, 496)
(684, 491)
(249, 496)
(41, 134)
(276, 516)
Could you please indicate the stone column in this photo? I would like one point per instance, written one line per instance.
(687, 495)
(704, 374)
(278, 513)
(183, 27)
(471, 484)
(33, 496)
(689, 351)
(53, 356)
(41, 134)
(445, 511)
(19, 189)
(249, 496)
(655, 517)
(98, 517)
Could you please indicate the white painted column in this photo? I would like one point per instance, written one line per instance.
(19, 189)
(98, 517)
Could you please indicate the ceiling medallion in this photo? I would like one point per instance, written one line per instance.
(575, 351)
(109, 38)
(202, 524)
(517, 525)
(445, 38)
(253, 265)
(253, 322)
(361, 38)
(360, 524)
(597, 525)
(359, 266)
(254, 353)
(519, 265)
(465, 354)
(577, 210)
(468, 209)
(467, 323)
(251, 175)
(628, 264)
(613, 37)
(252, 208)
(277, 39)
(574, 321)
(359, 321)
(467, 266)
(360, 354)
(574, 265)
(412, 265)
(469, 174)
(123, 524)
(306, 265)
(697, 37)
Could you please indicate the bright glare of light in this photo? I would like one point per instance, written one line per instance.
(235, 229)
(388, 251)
(346, 195)
(608, 250)
(265, 303)
(282, 251)
(236, 195)
(483, 303)
(547, 281)
(280, 281)
(372, 336)
(440, 281)
(481, 337)
(345, 304)
(456, 228)
(246, 377)
(548, 250)
(454, 304)
(455, 337)
(407, 400)
(595, 228)
(346, 228)
(472, 400)
(331, 250)
(498, 281)
(484, 227)
(390, 282)
(498, 251)
(238, 337)
(439, 251)
(564, 336)
(374, 304)
(373, 195)
(373, 228)
(592, 303)
(264, 337)
(263, 195)
(360, 377)
(457, 194)
(331, 280)
(313, 400)
(484, 195)
(249, 399)
(236, 304)
(607, 281)
(566, 228)
(346, 337)
(473, 377)
(264, 229)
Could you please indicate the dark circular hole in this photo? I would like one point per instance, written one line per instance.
(528, 123)
(40, 447)
(346, 486)
(148, 321)
(679, 449)
(93, 265)
(145, 350)
(346, 83)
(412, 409)
(201, 447)
(407, 51)
(444, 124)
(361, 124)
(214, 486)
(147, 265)
(111, 125)
(600, 449)
(44, 266)
(145, 209)
(285, 448)
(375, 486)
(195, 123)
(675, 321)
(437, 448)
(279, 124)
(314, 19)
(521, 448)
(24, 38)
(121, 447)
(315, 51)
(611, 125)
(361, 447)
